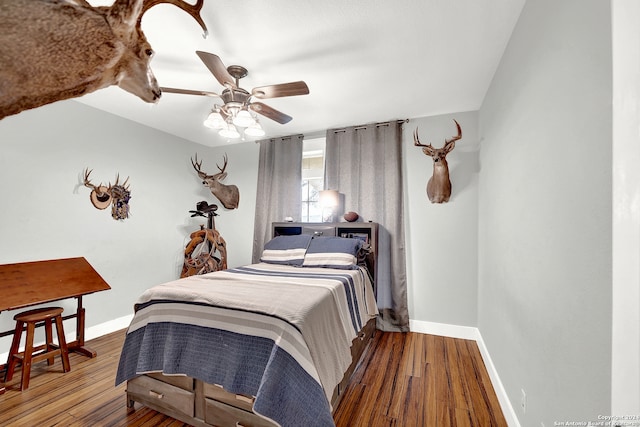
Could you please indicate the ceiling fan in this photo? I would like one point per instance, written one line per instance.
(238, 102)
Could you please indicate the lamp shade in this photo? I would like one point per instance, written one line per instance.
(329, 198)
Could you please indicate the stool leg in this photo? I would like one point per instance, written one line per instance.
(62, 342)
(28, 353)
(15, 348)
(48, 339)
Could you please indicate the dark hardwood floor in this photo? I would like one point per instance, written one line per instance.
(405, 379)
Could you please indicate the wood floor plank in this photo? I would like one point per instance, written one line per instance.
(419, 354)
(483, 381)
(477, 401)
(397, 404)
(378, 378)
(412, 414)
(351, 407)
(430, 414)
(404, 379)
(444, 413)
(456, 384)
(407, 362)
(441, 370)
(429, 347)
(462, 418)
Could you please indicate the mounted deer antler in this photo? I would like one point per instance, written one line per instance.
(117, 195)
(227, 194)
(439, 185)
(52, 50)
(100, 197)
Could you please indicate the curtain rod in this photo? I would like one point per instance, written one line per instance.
(319, 134)
(361, 127)
(299, 135)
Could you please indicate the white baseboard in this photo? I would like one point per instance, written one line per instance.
(472, 333)
(505, 404)
(107, 327)
(453, 331)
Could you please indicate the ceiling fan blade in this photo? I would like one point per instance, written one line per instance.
(280, 90)
(188, 91)
(217, 68)
(270, 113)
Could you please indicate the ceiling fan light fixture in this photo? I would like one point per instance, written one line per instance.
(238, 106)
(229, 131)
(243, 119)
(214, 120)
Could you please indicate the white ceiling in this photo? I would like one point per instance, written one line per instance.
(364, 60)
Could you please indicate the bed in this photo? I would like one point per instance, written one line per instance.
(267, 344)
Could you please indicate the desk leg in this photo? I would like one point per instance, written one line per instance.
(78, 345)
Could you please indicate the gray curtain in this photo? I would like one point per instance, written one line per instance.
(279, 187)
(364, 163)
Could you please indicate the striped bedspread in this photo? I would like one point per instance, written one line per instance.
(279, 333)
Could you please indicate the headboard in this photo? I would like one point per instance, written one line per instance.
(366, 231)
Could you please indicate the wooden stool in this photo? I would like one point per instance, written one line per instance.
(46, 351)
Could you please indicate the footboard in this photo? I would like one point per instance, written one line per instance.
(201, 404)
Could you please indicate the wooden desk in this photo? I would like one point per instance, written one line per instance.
(32, 283)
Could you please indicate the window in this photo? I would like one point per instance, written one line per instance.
(312, 179)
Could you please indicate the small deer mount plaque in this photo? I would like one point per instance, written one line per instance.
(117, 196)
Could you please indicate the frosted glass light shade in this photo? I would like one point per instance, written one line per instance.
(229, 132)
(243, 119)
(254, 130)
(214, 121)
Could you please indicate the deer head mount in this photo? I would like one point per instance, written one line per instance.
(116, 195)
(439, 185)
(227, 194)
(52, 50)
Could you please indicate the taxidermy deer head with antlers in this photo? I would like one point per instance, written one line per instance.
(228, 195)
(52, 50)
(439, 185)
(116, 195)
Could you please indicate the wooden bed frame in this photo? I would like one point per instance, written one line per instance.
(201, 404)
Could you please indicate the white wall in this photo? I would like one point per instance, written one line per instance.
(625, 386)
(442, 239)
(545, 213)
(46, 212)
